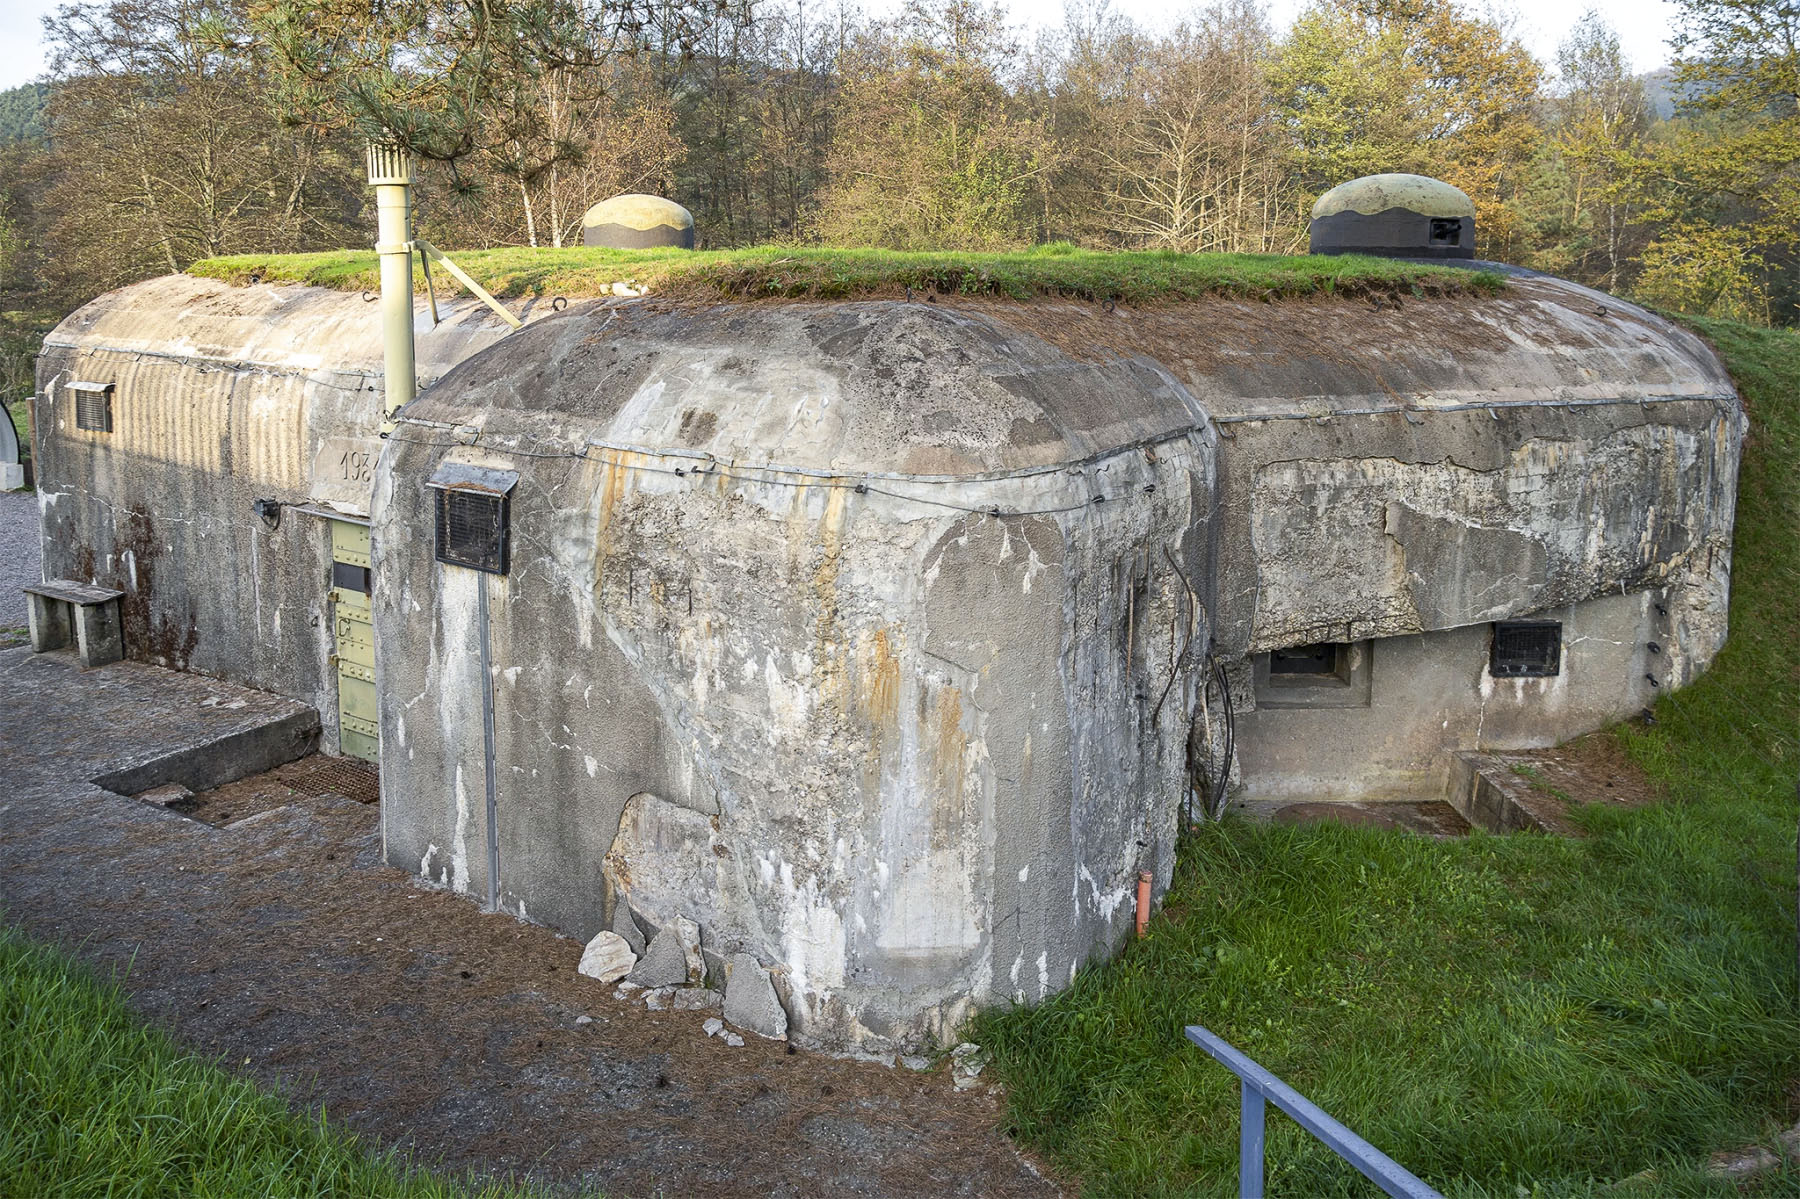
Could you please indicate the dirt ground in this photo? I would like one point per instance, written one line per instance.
(1591, 769)
(276, 941)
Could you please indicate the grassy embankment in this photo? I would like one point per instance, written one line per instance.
(811, 272)
(93, 1102)
(1505, 1015)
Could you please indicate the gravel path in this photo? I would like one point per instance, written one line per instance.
(19, 554)
(281, 945)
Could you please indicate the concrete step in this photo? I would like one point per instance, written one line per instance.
(127, 727)
(1491, 793)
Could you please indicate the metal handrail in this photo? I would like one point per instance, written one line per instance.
(1258, 1085)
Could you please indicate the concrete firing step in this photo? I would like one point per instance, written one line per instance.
(127, 727)
(1427, 817)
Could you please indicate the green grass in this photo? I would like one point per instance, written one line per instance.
(812, 272)
(93, 1102)
(1503, 1015)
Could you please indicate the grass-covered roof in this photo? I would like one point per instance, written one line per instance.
(817, 273)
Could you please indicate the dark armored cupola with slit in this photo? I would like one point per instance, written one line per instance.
(1395, 216)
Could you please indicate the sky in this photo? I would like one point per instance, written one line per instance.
(1643, 25)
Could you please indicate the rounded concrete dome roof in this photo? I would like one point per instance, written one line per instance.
(1378, 193)
(876, 386)
(633, 222)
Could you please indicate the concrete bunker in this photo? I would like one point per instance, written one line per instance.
(886, 643)
(208, 451)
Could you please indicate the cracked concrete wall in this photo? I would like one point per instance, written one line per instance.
(222, 396)
(908, 753)
(1431, 695)
(1581, 468)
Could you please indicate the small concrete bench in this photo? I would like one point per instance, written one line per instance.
(62, 609)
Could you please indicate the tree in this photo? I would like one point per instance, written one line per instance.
(1723, 184)
(1182, 151)
(161, 154)
(572, 142)
(930, 151)
(1581, 220)
(450, 80)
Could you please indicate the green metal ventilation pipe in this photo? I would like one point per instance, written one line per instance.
(391, 175)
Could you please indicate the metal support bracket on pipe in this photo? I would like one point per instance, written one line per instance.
(463, 277)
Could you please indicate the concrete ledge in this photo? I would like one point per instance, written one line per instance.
(232, 757)
(1491, 795)
(128, 727)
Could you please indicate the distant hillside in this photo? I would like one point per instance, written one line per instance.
(22, 113)
(1663, 93)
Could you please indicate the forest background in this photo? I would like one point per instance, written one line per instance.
(175, 130)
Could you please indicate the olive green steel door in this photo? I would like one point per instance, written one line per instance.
(359, 730)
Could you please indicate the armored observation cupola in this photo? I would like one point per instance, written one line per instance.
(635, 222)
(1395, 216)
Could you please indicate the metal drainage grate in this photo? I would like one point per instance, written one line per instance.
(351, 778)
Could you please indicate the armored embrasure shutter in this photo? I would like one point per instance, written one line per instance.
(93, 406)
(1526, 649)
(472, 507)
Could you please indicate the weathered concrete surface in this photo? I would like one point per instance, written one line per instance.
(906, 753)
(870, 636)
(1409, 473)
(283, 948)
(887, 620)
(223, 396)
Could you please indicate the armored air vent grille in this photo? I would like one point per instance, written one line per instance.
(1526, 649)
(471, 529)
(93, 406)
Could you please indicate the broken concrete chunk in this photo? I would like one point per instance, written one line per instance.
(626, 925)
(1746, 1162)
(689, 934)
(664, 964)
(750, 999)
(166, 795)
(966, 1063)
(694, 999)
(912, 1062)
(584, 1020)
(732, 1039)
(607, 958)
(657, 998)
(713, 1026)
(1789, 1143)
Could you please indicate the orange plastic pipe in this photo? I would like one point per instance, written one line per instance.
(1143, 901)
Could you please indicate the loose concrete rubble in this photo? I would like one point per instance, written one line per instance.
(716, 1028)
(607, 958)
(665, 962)
(687, 935)
(750, 999)
(627, 927)
(167, 795)
(966, 1064)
